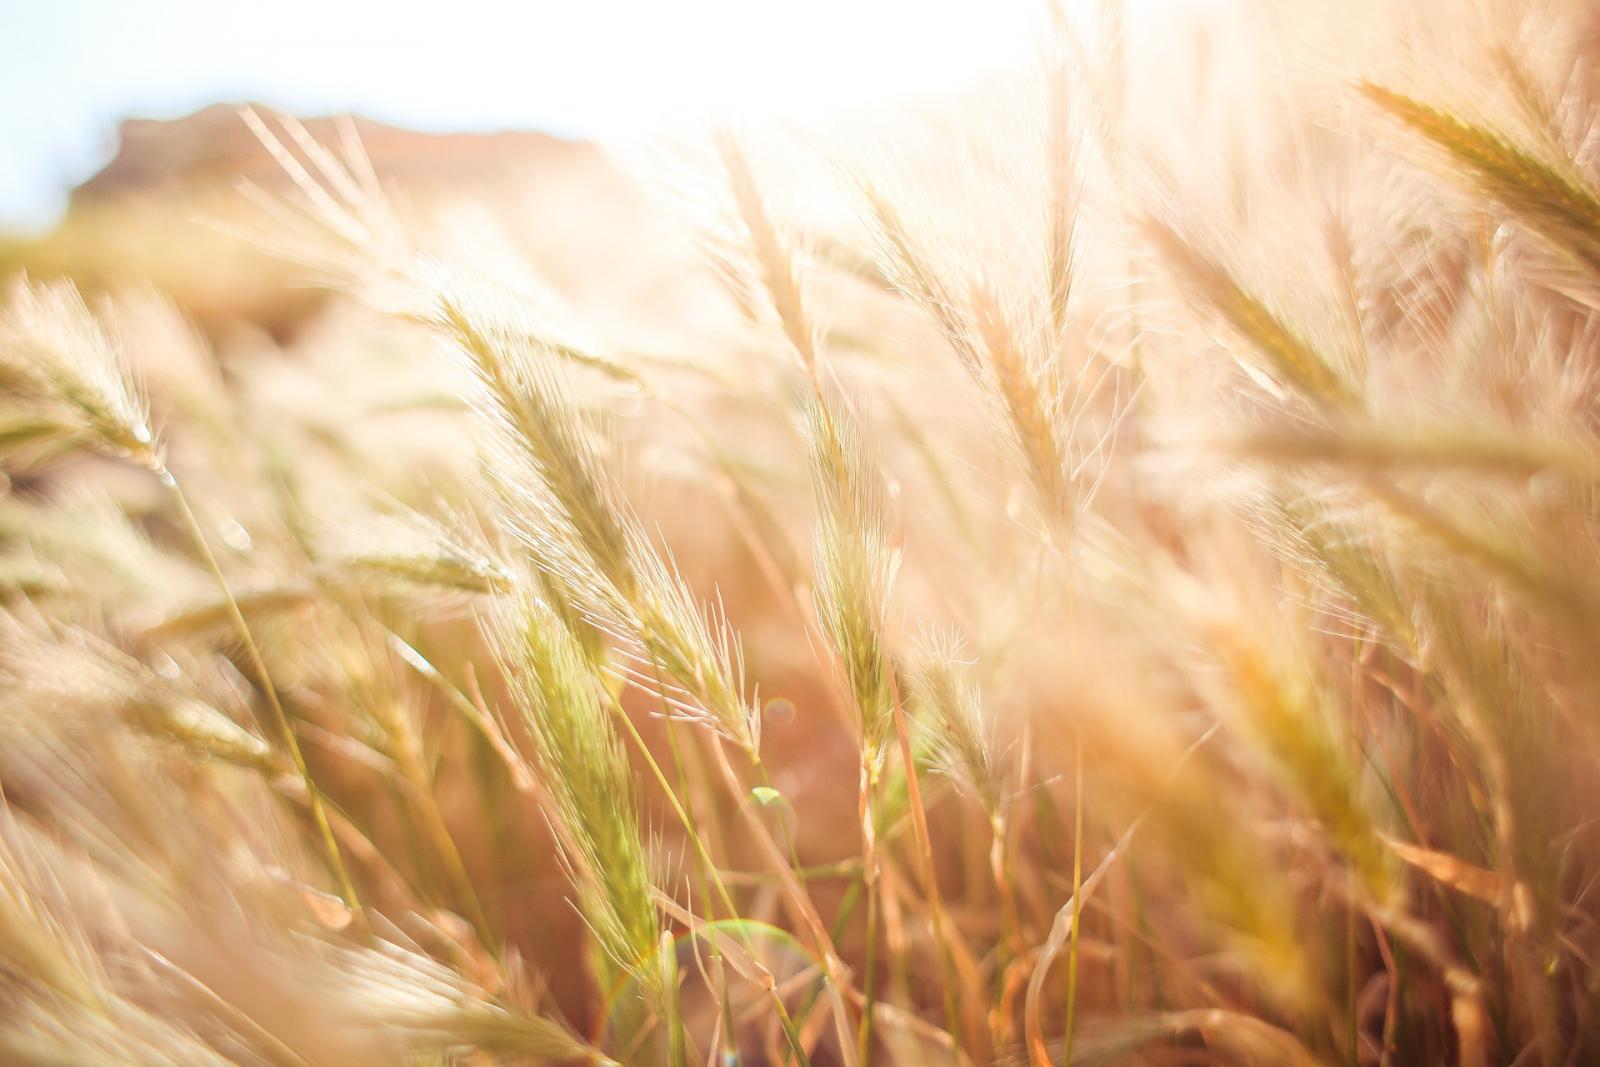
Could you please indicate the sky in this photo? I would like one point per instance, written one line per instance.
(70, 70)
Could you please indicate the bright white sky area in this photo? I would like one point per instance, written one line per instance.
(71, 69)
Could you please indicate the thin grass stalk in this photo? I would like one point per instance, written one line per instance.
(1011, 932)
(1469, 1013)
(1066, 917)
(1060, 935)
(833, 968)
(404, 748)
(319, 816)
(408, 756)
(872, 882)
(516, 766)
(1077, 898)
(930, 879)
(692, 833)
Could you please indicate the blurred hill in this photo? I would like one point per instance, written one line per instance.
(168, 208)
(214, 147)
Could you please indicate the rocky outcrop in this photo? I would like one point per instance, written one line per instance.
(215, 148)
(168, 210)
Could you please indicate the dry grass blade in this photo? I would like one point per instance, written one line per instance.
(1449, 870)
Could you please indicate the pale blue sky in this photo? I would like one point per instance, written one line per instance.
(70, 69)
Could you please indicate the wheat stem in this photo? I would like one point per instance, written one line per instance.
(191, 525)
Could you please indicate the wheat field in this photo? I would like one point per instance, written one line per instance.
(1102, 568)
